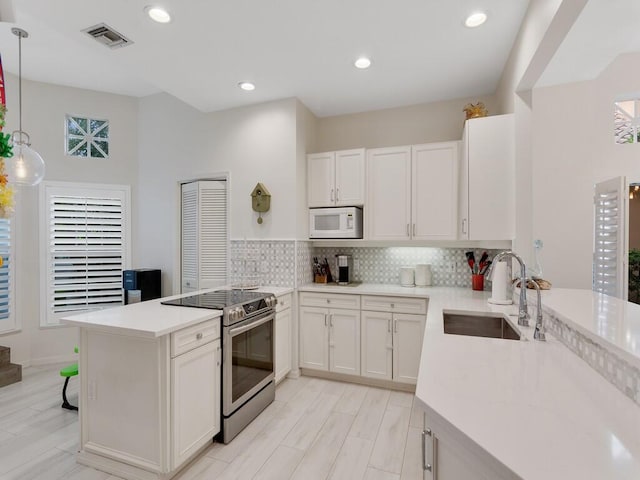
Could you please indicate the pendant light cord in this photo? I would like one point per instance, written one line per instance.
(20, 83)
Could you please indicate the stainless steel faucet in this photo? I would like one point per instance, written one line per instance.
(538, 334)
(523, 312)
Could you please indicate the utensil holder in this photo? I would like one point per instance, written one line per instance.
(477, 281)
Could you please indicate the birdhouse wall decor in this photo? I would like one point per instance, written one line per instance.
(260, 200)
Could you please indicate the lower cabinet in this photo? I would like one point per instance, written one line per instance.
(391, 345)
(392, 331)
(148, 404)
(283, 337)
(446, 457)
(374, 336)
(330, 339)
(195, 399)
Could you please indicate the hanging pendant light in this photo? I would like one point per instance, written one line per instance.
(26, 167)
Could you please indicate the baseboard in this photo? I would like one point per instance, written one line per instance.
(372, 382)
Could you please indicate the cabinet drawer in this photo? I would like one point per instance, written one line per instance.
(284, 302)
(330, 300)
(192, 337)
(394, 304)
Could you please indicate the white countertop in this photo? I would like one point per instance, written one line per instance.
(597, 316)
(369, 289)
(534, 406)
(151, 318)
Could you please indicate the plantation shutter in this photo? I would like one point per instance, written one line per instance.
(7, 317)
(204, 235)
(86, 249)
(609, 260)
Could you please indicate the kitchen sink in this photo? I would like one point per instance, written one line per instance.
(479, 325)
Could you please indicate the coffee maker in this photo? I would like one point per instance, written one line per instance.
(345, 269)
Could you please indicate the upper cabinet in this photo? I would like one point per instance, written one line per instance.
(487, 178)
(336, 179)
(412, 192)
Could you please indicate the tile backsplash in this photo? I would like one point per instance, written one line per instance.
(288, 263)
(382, 264)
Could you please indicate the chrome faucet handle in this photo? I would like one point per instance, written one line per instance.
(538, 334)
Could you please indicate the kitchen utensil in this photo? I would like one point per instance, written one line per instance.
(471, 260)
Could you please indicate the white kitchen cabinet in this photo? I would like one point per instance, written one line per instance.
(487, 179)
(330, 337)
(388, 212)
(165, 407)
(392, 340)
(412, 192)
(195, 397)
(283, 336)
(448, 456)
(408, 331)
(434, 191)
(204, 237)
(336, 179)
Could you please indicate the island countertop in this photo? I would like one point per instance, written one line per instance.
(151, 318)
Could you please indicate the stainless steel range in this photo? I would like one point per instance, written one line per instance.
(248, 346)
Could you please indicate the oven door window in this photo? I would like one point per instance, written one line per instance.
(252, 359)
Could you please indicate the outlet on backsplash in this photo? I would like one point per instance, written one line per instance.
(356, 266)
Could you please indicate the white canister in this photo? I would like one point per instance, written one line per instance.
(407, 276)
(423, 275)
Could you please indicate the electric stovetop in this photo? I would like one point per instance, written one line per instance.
(218, 300)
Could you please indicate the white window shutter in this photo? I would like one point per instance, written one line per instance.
(85, 239)
(7, 315)
(204, 235)
(609, 262)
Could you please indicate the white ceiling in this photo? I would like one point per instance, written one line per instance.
(604, 30)
(421, 51)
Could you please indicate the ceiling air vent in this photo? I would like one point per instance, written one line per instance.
(107, 36)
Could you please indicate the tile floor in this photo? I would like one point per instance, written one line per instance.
(316, 429)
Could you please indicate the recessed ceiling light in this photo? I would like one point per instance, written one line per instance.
(362, 62)
(158, 14)
(475, 19)
(248, 86)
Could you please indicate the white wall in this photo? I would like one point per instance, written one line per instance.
(573, 149)
(44, 109)
(253, 144)
(306, 126)
(429, 122)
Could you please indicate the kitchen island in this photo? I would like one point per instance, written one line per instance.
(150, 381)
(149, 395)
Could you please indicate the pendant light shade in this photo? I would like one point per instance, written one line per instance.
(26, 167)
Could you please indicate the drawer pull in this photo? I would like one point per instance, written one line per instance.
(199, 336)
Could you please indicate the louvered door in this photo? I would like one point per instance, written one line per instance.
(204, 235)
(609, 257)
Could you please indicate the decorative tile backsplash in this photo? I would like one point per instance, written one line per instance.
(382, 264)
(304, 258)
(615, 369)
(265, 262)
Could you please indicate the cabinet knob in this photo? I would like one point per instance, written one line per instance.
(199, 336)
(393, 305)
(328, 301)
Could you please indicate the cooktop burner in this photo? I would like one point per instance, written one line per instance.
(219, 299)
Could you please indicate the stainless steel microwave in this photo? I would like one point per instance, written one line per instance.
(335, 222)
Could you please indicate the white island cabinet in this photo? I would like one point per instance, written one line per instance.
(149, 387)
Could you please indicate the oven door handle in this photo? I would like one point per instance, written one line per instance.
(238, 330)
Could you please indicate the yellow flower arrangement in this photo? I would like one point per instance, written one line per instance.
(6, 151)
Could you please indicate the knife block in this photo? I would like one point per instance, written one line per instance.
(320, 279)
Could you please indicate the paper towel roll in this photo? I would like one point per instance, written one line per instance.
(499, 285)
